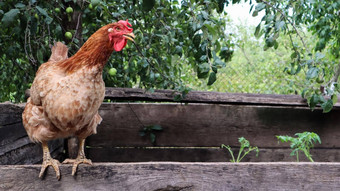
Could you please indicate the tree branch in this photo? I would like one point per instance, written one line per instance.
(244, 54)
(336, 76)
(290, 22)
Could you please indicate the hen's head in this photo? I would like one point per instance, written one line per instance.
(119, 33)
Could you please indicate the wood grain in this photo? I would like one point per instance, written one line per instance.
(137, 94)
(166, 176)
(203, 97)
(11, 123)
(210, 125)
(15, 146)
(30, 153)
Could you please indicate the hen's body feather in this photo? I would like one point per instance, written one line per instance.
(63, 104)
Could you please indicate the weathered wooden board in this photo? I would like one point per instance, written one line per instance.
(210, 125)
(30, 153)
(203, 97)
(137, 94)
(15, 146)
(204, 155)
(11, 123)
(170, 176)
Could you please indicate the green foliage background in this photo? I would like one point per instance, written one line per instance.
(184, 45)
(172, 39)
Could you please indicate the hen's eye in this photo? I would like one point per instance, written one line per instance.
(118, 29)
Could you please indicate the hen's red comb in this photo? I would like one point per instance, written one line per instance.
(126, 23)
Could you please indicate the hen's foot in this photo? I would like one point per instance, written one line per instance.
(50, 162)
(76, 162)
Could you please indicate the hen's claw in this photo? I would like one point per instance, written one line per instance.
(76, 162)
(80, 158)
(50, 162)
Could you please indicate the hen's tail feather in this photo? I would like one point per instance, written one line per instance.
(59, 52)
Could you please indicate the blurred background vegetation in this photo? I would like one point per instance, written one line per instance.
(188, 44)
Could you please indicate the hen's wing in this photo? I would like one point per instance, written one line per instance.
(38, 126)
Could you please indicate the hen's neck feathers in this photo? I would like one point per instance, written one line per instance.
(94, 53)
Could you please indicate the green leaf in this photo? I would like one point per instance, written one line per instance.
(40, 56)
(244, 142)
(293, 55)
(276, 45)
(279, 25)
(179, 51)
(148, 5)
(327, 106)
(197, 40)
(226, 54)
(260, 6)
(270, 42)
(178, 97)
(257, 31)
(334, 98)
(312, 72)
(49, 20)
(203, 70)
(211, 28)
(20, 5)
(255, 13)
(313, 101)
(157, 127)
(42, 11)
(9, 17)
(152, 138)
(142, 133)
(212, 78)
(319, 55)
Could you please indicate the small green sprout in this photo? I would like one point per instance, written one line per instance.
(242, 152)
(303, 142)
(150, 130)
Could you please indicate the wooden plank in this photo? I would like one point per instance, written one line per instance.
(210, 125)
(203, 97)
(15, 146)
(11, 132)
(203, 155)
(137, 94)
(166, 176)
(27, 152)
(10, 113)
(11, 127)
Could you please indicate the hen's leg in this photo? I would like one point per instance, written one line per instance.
(80, 158)
(48, 161)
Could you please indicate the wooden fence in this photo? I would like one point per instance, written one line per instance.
(193, 131)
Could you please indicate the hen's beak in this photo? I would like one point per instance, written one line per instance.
(129, 36)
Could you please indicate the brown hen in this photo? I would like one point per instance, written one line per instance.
(67, 92)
